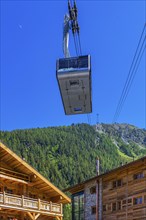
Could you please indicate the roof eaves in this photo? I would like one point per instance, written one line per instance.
(35, 172)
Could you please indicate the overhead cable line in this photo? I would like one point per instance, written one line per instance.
(80, 43)
(89, 119)
(130, 81)
(132, 72)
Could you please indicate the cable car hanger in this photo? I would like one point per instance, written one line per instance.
(71, 23)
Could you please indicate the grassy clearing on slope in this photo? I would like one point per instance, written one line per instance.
(124, 155)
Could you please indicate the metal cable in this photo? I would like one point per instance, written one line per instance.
(128, 80)
(80, 44)
(75, 45)
(127, 92)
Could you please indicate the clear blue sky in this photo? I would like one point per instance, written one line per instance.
(31, 41)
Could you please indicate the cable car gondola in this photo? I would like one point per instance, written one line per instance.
(74, 79)
(74, 73)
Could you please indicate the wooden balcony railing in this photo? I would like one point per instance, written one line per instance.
(25, 203)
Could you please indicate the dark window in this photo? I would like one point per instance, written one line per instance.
(9, 191)
(104, 208)
(119, 182)
(119, 205)
(145, 199)
(129, 200)
(78, 206)
(33, 196)
(93, 210)
(138, 176)
(109, 207)
(137, 201)
(93, 190)
(105, 185)
(114, 184)
(124, 202)
(78, 109)
(74, 82)
(114, 206)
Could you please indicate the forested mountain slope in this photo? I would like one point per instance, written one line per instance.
(67, 155)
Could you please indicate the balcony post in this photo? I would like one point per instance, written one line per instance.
(50, 206)
(39, 204)
(4, 197)
(22, 201)
(61, 208)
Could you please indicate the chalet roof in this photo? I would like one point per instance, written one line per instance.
(34, 178)
(80, 186)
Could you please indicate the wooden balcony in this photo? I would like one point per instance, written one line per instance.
(21, 203)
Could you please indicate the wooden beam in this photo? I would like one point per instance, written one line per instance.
(45, 187)
(37, 216)
(30, 215)
(13, 179)
(33, 216)
(56, 199)
(59, 218)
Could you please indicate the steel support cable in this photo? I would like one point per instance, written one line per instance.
(78, 48)
(133, 76)
(145, 91)
(80, 44)
(128, 78)
(136, 69)
(75, 44)
(89, 119)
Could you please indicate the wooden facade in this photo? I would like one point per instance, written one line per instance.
(24, 193)
(124, 192)
(120, 193)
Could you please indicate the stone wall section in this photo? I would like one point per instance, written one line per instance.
(90, 201)
(100, 199)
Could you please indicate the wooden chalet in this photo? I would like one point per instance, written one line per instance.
(119, 194)
(24, 193)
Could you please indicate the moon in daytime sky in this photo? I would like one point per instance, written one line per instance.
(20, 26)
